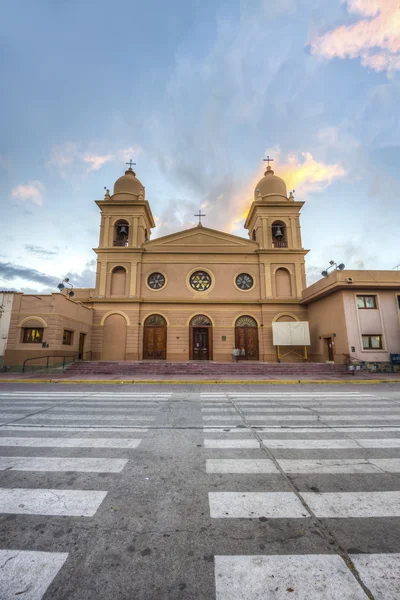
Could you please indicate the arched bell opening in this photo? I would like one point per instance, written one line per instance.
(200, 338)
(121, 233)
(118, 282)
(246, 338)
(279, 234)
(155, 338)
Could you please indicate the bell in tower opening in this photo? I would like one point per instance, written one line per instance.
(121, 233)
(279, 239)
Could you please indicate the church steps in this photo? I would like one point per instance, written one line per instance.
(208, 368)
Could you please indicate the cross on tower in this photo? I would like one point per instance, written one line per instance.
(130, 163)
(268, 160)
(200, 215)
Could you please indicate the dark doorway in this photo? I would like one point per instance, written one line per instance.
(246, 338)
(81, 345)
(200, 340)
(329, 347)
(155, 338)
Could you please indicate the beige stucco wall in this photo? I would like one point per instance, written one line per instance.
(6, 304)
(326, 318)
(54, 313)
(384, 320)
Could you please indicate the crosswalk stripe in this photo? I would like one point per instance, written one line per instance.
(226, 444)
(73, 503)
(332, 444)
(247, 505)
(28, 573)
(69, 442)
(380, 573)
(44, 428)
(94, 417)
(316, 429)
(353, 504)
(82, 465)
(310, 577)
(241, 466)
(129, 410)
(286, 505)
(341, 466)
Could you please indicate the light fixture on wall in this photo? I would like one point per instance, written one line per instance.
(68, 290)
(332, 265)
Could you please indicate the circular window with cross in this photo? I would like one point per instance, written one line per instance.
(200, 281)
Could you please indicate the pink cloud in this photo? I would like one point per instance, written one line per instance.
(96, 161)
(374, 39)
(32, 192)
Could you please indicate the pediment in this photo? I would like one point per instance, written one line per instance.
(201, 239)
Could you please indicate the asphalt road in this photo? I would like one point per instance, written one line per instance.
(130, 492)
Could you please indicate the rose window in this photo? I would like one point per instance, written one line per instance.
(244, 281)
(156, 281)
(200, 281)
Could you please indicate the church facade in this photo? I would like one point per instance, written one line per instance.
(200, 293)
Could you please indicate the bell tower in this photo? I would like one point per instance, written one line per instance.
(274, 222)
(126, 223)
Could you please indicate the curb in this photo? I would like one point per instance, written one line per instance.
(207, 381)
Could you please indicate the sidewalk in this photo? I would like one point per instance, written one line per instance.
(57, 377)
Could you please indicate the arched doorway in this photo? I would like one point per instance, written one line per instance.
(155, 338)
(200, 338)
(114, 338)
(246, 337)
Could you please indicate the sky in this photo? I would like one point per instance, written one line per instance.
(197, 93)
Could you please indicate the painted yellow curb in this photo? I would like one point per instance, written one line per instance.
(207, 381)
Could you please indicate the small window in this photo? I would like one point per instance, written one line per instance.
(372, 342)
(366, 301)
(33, 335)
(68, 337)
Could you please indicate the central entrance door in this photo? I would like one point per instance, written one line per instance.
(155, 338)
(246, 338)
(200, 341)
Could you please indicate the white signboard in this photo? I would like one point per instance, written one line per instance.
(291, 333)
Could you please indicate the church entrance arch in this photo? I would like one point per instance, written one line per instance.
(155, 338)
(246, 337)
(114, 338)
(200, 338)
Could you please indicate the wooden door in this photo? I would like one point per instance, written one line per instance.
(81, 345)
(246, 339)
(329, 347)
(155, 343)
(200, 343)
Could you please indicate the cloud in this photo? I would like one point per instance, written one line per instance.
(39, 251)
(97, 161)
(85, 278)
(71, 155)
(304, 174)
(10, 272)
(32, 191)
(375, 38)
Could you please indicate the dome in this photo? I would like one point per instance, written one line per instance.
(270, 185)
(128, 184)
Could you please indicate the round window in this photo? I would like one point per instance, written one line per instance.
(200, 281)
(244, 281)
(156, 281)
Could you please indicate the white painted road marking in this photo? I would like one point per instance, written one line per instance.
(83, 429)
(316, 429)
(241, 466)
(332, 444)
(339, 466)
(94, 417)
(82, 465)
(70, 442)
(309, 576)
(380, 573)
(231, 444)
(73, 503)
(28, 574)
(345, 505)
(247, 505)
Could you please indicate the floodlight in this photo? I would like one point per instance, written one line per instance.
(331, 262)
(324, 273)
(66, 279)
(341, 266)
(61, 286)
(71, 294)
